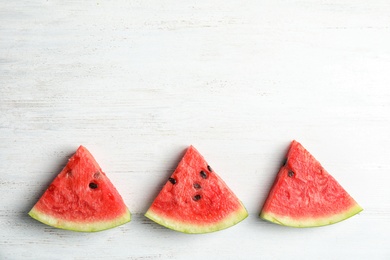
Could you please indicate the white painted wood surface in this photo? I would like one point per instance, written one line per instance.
(136, 82)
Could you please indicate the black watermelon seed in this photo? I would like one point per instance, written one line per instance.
(284, 162)
(197, 186)
(172, 180)
(209, 168)
(290, 173)
(203, 174)
(93, 185)
(197, 197)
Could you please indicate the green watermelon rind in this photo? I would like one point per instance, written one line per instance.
(80, 226)
(190, 228)
(311, 222)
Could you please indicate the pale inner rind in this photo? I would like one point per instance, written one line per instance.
(79, 226)
(310, 222)
(188, 227)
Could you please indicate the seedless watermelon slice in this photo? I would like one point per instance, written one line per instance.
(195, 199)
(304, 194)
(81, 198)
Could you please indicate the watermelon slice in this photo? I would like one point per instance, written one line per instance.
(195, 199)
(81, 198)
(304, 194)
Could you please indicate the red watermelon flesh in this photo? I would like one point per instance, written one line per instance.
(81, 198)
(195, 199)
(304, 194)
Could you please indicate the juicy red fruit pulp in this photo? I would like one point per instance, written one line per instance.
(195, 196)
(305, 194)
(81, 193)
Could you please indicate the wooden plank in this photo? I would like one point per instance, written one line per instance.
(136, 82)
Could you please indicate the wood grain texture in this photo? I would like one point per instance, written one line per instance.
(136, 82)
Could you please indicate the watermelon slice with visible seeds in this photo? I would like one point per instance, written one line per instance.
(81, 198)
(195, 199)
(304, 194)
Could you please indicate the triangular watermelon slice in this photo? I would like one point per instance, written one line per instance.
(304, 194)
(81, 198)
(195, 199)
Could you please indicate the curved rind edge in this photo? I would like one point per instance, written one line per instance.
(231, 220)
(311, 222)
(79, 226)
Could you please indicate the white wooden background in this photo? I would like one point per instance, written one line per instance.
(136, 82)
